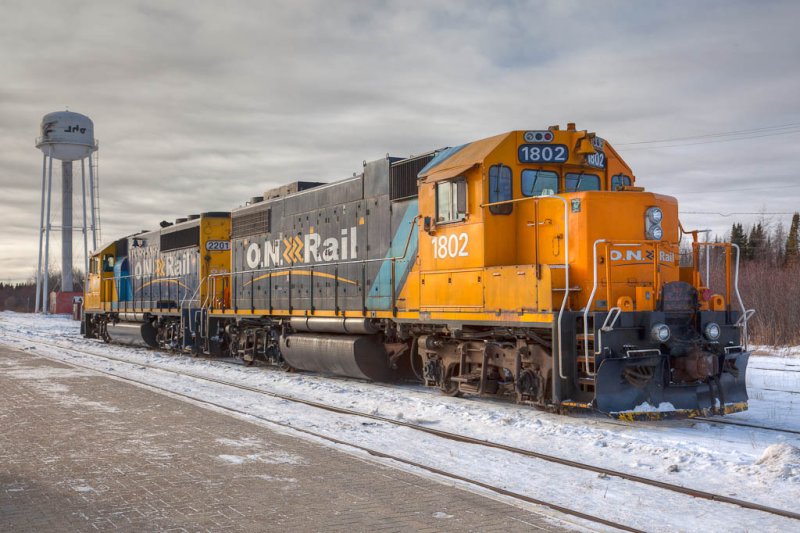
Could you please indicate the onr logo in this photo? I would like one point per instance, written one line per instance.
(310, 248)
(641, 255)
(630, 255)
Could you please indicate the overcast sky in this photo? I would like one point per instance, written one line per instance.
(200, 105)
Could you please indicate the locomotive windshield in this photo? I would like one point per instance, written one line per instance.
(577, 182)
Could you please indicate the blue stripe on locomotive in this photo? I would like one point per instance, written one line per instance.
(380, 293)
(122, 280)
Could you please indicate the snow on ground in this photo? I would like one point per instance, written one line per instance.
(751, 464)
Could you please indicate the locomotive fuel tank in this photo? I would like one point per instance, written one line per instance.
(356, 356)
(132, 334)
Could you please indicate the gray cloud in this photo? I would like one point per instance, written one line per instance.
(200, 105)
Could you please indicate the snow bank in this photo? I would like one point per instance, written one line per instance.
(775, 351)
(781, 461)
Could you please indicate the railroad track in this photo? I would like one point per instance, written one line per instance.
(729, 422)
(438, 433)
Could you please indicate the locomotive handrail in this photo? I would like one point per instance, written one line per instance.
(608, 325)
(643, 351)
(590, 301)
(191, 300)
(193, 294)
(745, 317)
(133, 277)
(611, 319)
(566, 286)
(589, 306)
(746, 313)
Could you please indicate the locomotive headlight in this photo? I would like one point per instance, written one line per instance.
(712, 331)
(652, 223)
(654, 233)
(660, 332)
(655, 215)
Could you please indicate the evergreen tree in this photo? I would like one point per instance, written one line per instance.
(756, 243)
(793, 240)
(778, 249)
(739, 238)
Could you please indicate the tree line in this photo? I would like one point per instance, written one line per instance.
(769, 279)
(777, 247)
(21, 297)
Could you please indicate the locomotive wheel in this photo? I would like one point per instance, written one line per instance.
(450, 387)
(104, 332)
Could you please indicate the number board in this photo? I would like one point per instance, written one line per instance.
(597, 159)
(543, 153)
(218, 245)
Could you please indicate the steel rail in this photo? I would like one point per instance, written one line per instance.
(728, 422)
(462, 438)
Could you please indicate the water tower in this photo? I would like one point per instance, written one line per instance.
(66, 137)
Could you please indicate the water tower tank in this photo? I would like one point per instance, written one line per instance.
(66, 136)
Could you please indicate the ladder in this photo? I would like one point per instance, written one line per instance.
(585, 365)
(589, 344)
(94, 163)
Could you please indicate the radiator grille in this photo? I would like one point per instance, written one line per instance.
(180, 239)
(251, 223)
(404, 176)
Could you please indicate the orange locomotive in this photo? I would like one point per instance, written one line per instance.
(528, 265)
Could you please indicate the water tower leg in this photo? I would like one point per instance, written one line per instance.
(66, 226)
(91, 203)
(46, 295)
(41, 236)
(85, 238)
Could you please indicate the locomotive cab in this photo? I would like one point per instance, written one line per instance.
(556, 279)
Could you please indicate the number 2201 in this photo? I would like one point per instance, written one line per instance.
(445, 246)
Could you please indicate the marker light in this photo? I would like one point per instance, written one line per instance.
(538, 136)
(660, 333)
(712, 331)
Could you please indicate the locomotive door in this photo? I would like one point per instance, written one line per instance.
(451, 252)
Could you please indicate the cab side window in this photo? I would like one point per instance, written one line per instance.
(619, 181)
(108, 263)
(451, 201)
(500, 189)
